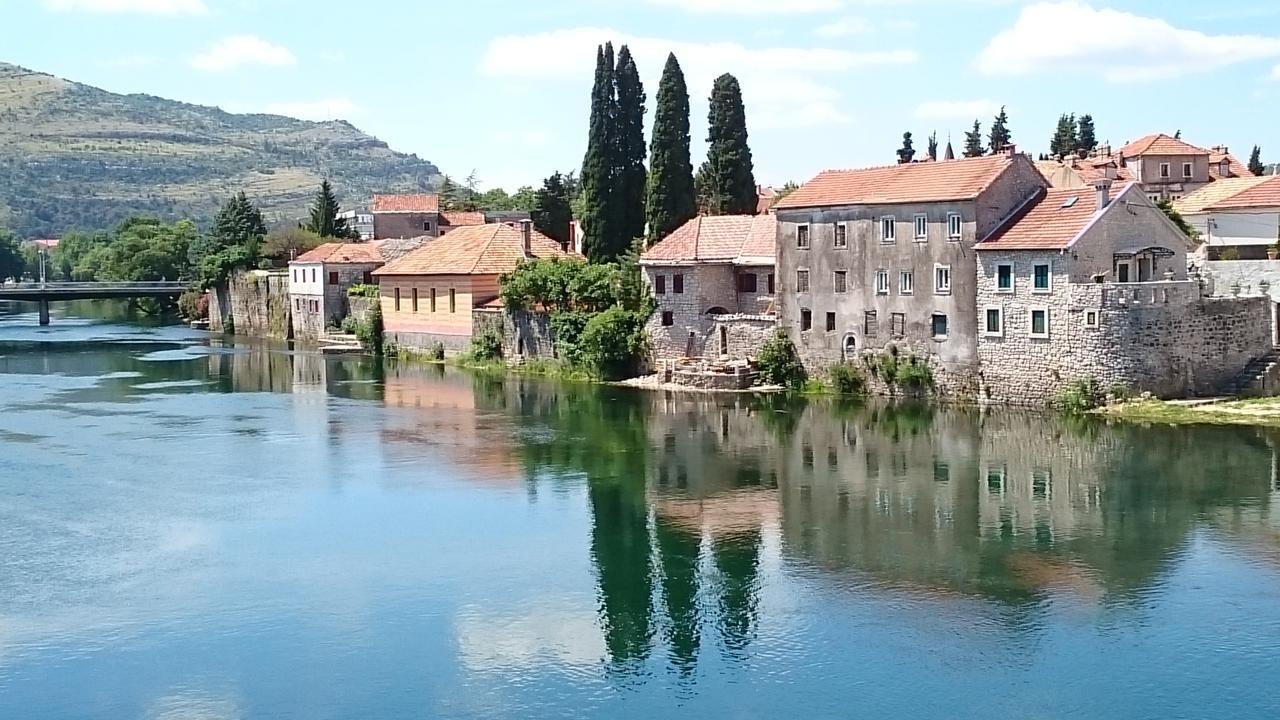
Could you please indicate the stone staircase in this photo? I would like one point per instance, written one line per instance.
(1261, 377)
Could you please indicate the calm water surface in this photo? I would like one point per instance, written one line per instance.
(193, 529)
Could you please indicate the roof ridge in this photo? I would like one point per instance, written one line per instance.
(910, 164)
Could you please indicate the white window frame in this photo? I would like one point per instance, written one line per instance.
(807, 241)
(1013, 279)
(889, 223)
(921, 225)
(835, 238)
(1188, 171)
(882, 288)
(1166, 172)
(1095, 322)
(1044, 290)
(1048, 320)
(906, 282)
(955, 226)
(938, 288)
(987, 331)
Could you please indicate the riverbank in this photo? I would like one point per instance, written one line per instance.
(1251, 411)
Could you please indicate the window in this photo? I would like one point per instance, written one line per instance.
(415, 300)
(1186, 170)
(806, 319)
(842, 236)
(397, 299)
(1004, 278)
(870, 324)
(882, 282)
(333, 278)
(453, 300)
(770, 285)
(802, 237)
(1042, 278)
(367, 278)
(939, 326)
(942, 279)
(295, 274)
(1122, 272)
(747, 283)
(1091, 319)
(831, 322)
(433, 299)
(993, 321)
(298, 304)
(660, 285)
(906, 282)
(802, 281)
(667, 318)
(953, 226)
(898, 324)
(313, 274)
(1164, 170)
(677, 283)
(1039, 322)
(842, 281)
(922, 227)
(888, 229)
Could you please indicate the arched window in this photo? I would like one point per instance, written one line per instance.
(850, 347)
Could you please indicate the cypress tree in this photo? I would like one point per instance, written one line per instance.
(1086, 136)
(597, 168)
(907, 152)
(551, 212)
(1255, 161)
(632, 176)
(1000, 135)
(729, 173)
(1064, 143)
(324, 216)
(973, 141)
(933, 145)
(671, 199)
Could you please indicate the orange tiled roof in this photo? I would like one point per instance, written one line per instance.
(458, 219)
(356, 253)
(1214, 193)
(415, 203)
(911, 182)
(1237, 168)
(1088, 170)
(719, 238)
(1051, 222)
(1160, 144)
(1265, 194)
(490, 249)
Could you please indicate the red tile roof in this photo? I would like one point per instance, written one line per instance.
(417, 203)
(1213, 193)
(490, 249)
(1237, 168)
(1052, 221)
(721, 238)
(458, 219)
(908, 183)
(1265, 194)
(354, 253)
(1087, 170)
(1160, 144)
(765, 198)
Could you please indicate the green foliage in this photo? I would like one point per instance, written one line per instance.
(552, 211)
(12, 263)
(847, 379)
(350, 324)
(779, 363)
(373, 292)
(1080, 397)
(1086, 136)
(973, 141)
(139, 249)
(613, 341)
(600, 216)
(1000, 135)
(1255, 161)
(907, 152)
(232, 245)
(671, 200)
(325, 220)
(729, 184)
(932, 149)
(1176, 218)
(194, 305)
(630, 162)
(370, 331)
(436, 353)
(287, 243)
(910, 373)
(486, 345)
(1064, 142)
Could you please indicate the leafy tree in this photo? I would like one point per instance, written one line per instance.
(728, 174)
(1064, 142)
(552, 214)
(73, 248)
(779, 362)
(600, 222)
(12, 263)
(325, 220)
(140, 249)
(907, 152)
(789, 187)
(239, 222)
(1086, 136)
(632, 176)
(525, 199)
(671, 199)
(1176, 217)
(933, 145)
(287, 243)
(1000, 135)
(234, 242)
(1255, 161)
(973, 141)
(613, 341)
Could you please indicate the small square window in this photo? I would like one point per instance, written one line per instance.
(747, 283)
(1040, 323)
(942, 279)
(906, 282)
(426, 226)
(806, 319)
(333, 278)
(802, 237)
(1187, 170)
(939, 326)
(660, 285)
(668, 319)
(953, 226)
(1042, 278)
(677, 283)
(898, 324)
(1092, 319)
(870, 323)
(922, 227)
(831, 322)
(882, 282)
(842, 236)
(993, 321)
(888, 229)
(802, 281)
(842, 281)
(1004, 278)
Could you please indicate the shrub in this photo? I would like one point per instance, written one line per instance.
(194, 305)
(1080, 397)
(779, 363)
(436, 353)
(846, 379)
(364, 291)
(487, 345)
(612, 342)
(914, 374)
(351, 325)
(369, 331)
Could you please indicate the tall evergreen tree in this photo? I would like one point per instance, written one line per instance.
(632, 175)
(730, 182)
(1064, 143)
(907, 152)
(973, 141)
(1000, 135)
(1086, 136)
(1255, 161)
(671, 199)
(551, 214)
(599, 215)
(324, 219)
(933, 145)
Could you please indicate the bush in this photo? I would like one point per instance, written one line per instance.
(914, 374)
(194, 305)
(373, 292)
(847, 379)
(486, 346)
(612, 342)
(779, 363)
(1080, 397)
(370, 331)
(436, 353)
(351, 325)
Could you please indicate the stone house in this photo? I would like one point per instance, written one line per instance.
(319, 280)
(416, 215)
(428, 295)
(883, 258)
(1237, 218)
(1166, 167)
(713, 280)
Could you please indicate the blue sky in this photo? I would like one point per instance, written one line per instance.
(502, 87)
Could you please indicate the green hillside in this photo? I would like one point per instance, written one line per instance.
(74, 156)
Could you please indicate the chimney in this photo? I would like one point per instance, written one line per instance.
(526, 237)
(1103, 187)
(1009, 149)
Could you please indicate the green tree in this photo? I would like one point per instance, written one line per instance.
(907, 152)
(140, 249)
(325, 220)
(779, 362)
(72, 249)
(552, 214)
(599, 214)
(524, 199)
(672, 200)
(973, 141)
(12, 263)
(1000, 135)
(933, 145)
(1064, 141)
(287, 243)
(728, 173)
(1166, 206)
(1086, 135)
(234, 242)
(1255, 161)
(632, 176)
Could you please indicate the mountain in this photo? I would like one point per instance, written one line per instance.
(77, 157)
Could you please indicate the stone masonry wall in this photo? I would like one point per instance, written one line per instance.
(524, 334)
(705, 287)
(256, 302)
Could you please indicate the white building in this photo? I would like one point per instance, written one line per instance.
(1237, 218)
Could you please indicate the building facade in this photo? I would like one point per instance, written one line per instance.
(419, 215)
(1237, 218)
(318, 284)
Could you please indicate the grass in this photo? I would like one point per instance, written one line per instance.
(1252, 411)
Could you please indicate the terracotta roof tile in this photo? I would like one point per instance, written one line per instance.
(720, 238)
(415, 203)
(1264, 194)
(912, 182)
(354, 253)
(490, 249)
(458, 219)
(396, 248)
(1237, 168)
(1052, 221)
(1213, 193)
(1160, 144)
(1087, 170)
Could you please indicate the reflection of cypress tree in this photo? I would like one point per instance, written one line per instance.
(738, 560)
(620, 549)
(679, 557)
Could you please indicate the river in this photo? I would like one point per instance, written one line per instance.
(199, 528)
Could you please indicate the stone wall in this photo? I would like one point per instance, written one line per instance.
(423, 342)
(524, 334)
(1252, 277)
(307, 316)
(256, 302)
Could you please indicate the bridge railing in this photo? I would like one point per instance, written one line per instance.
(125, 285)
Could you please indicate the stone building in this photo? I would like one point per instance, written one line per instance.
(1237, 218)
(713, 279)
(1168, 168)
(318, 284)
(419, 215)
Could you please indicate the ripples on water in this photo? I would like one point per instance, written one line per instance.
(192, 529)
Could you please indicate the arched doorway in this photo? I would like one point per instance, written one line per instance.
(848, 348)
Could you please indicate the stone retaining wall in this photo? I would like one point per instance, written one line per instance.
(256, 302)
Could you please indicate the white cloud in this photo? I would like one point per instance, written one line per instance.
(956, 109)
(1123, 48)
(752, 7)
(781, 87)
(843, 28)
(333, 108)
(238, 50)
(142, 7)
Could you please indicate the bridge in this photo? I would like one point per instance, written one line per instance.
(46, 292)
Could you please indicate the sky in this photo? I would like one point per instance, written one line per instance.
(502, 88)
